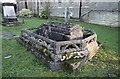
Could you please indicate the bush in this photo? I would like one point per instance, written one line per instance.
(44, 14)
(25, 13)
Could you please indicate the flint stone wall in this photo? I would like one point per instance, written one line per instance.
(104, 18)
(104, 13)
(58, 9)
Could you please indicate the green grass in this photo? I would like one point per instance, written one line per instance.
(24, 64)
(0, 52)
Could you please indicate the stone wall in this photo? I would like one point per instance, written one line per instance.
(119, 14)
(104, 18)
(20, 5)
(0, 7)
(56, 8)
(104, 13)
(0, 11)
(59, 8)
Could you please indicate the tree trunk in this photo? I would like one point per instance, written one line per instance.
(26, 6)
(38, 8)
(80, 10)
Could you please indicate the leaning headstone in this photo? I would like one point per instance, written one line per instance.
(9, 14)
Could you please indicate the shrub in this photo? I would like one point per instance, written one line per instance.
(25, 13)
(44, 14)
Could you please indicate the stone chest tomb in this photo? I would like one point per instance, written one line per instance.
(61, 45)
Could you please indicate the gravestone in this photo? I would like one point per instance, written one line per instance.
(9, 16)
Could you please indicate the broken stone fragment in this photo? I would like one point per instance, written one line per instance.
(55, 58)
(74, 65)
(76, 32)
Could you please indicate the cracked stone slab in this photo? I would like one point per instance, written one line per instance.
(8, 35)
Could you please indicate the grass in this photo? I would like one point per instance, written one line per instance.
(0, 52)
(24, 64)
